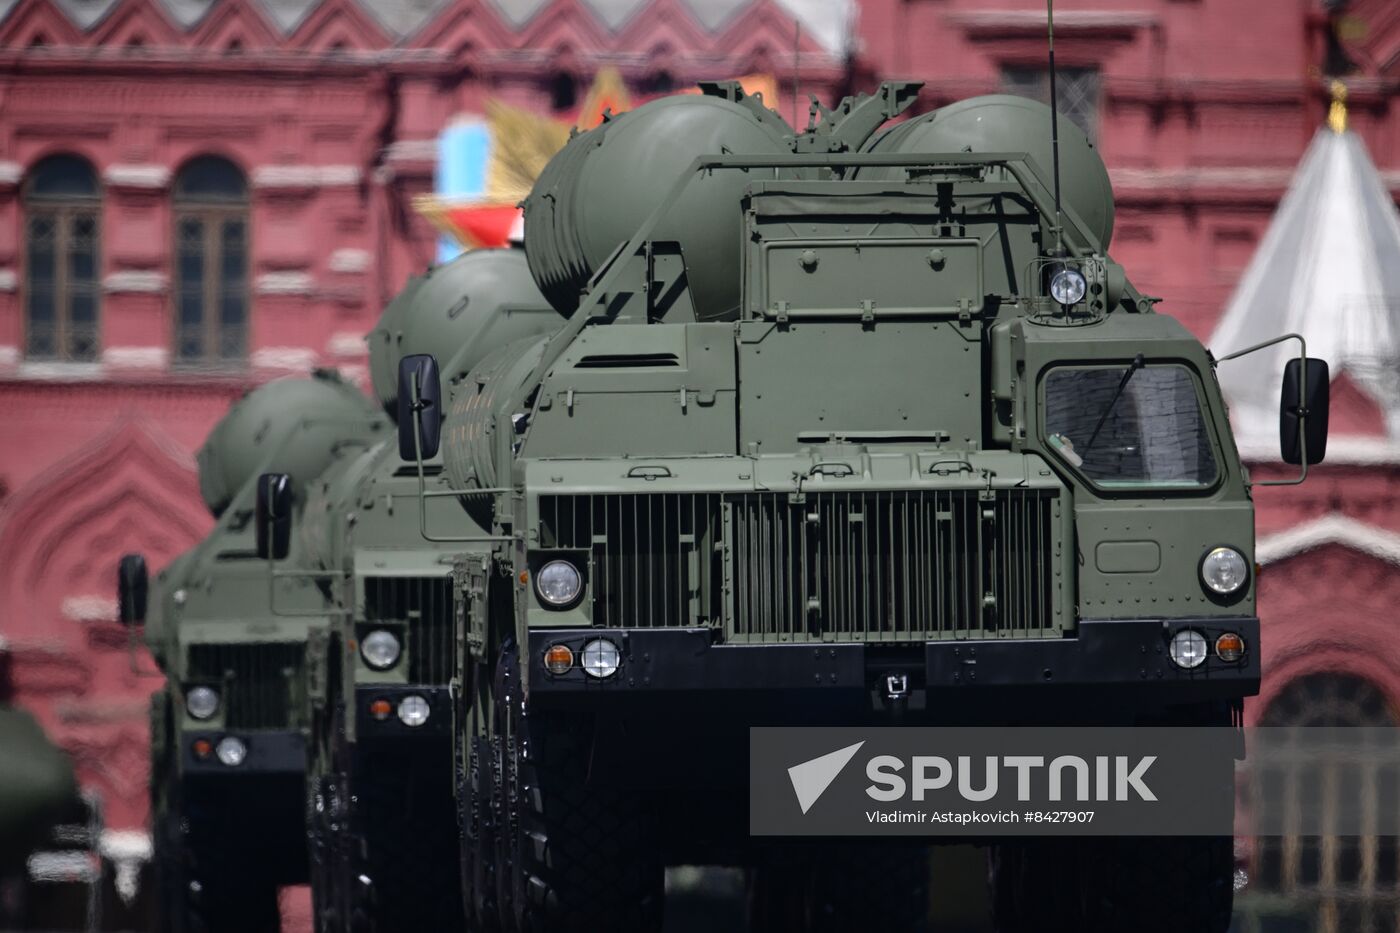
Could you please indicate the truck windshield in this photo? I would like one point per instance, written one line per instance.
(1143, 431)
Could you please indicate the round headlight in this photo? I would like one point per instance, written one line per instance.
(231, 751)
(558, 583)
(202, 702)
(1224, 571)
(1067, 286)
(600, 658)
(380, 649)
(413, 710)
(1189, 649)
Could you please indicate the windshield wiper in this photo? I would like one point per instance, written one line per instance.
(1133, 367)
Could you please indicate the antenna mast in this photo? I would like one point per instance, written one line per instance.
(1054, 124)
(796, 59)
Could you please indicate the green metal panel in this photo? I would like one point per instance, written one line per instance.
(878, 382)
(663, 389)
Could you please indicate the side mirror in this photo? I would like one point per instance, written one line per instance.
(133, 583)
(273, 515)
(420, 407)
(1303, 410)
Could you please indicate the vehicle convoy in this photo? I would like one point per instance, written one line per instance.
(229, 727)
(833, 412)
(382, 815)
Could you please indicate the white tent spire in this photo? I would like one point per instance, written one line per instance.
(1329, 269)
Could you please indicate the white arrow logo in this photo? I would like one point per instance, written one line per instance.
(811, 778)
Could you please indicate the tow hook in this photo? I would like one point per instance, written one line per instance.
(896, 686)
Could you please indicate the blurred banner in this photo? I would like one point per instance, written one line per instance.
(486, 165)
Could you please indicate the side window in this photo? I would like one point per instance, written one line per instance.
(61, 260)
(1126, 428)
(211, 263)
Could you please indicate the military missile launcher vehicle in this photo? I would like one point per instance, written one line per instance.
(835, 414)
(229, 728)
(382, 815)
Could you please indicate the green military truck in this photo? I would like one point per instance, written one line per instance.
(229, 728)
(382, 815)
(855, 425)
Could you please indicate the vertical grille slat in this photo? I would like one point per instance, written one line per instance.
(844, 566)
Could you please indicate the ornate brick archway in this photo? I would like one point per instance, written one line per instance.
(131, 488)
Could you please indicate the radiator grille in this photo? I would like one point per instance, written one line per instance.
(869, 566)
(655, 559)
(256, 680)
(424, 605)
(857, 566)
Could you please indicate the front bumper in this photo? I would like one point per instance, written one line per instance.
(269, 752)
(439, 722)
(1108, 659)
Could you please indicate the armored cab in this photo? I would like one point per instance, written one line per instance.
(832, 424)
(383, 761)
(229, 729)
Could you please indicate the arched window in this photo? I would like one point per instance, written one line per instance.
(211, 262)
(1332, 883)
(61, 204)
(563, 91)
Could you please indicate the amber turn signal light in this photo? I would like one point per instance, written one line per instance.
(1229, 647)
(380, 709)
(203, 748)
(559, 659)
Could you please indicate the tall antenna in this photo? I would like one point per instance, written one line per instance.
(1054, 122)
(796, 59)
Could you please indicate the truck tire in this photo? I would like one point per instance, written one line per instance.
(410, 840)
(777, 897)
(584, 857)
(478, 818)
(1109, 885)
(1034, 886)
(327, 861)
(1162, 885)
(865, 887)
(228, 889)
(171, 883)
(841, 889)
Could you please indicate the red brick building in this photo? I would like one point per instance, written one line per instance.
(198, 195)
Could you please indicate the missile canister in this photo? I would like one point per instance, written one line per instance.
(596, 192)
(1003, 123)
(460, 312)
(384, 343)
(255, 436)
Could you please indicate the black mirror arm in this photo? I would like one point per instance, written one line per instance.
(1302, 398)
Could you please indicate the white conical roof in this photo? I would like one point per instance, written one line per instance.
(1329, 269)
